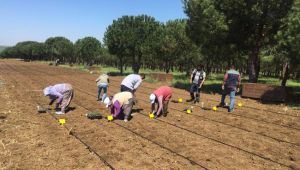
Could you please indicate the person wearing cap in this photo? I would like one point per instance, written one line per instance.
(131, 82)
(161, 96)
(102, 83)
(121, 102)
(63, 93)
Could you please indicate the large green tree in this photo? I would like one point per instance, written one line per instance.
(87, 49)
(207, 27)
(173, 46)
(59, 48)
(288, 38)
(127, 35)
(247, 24)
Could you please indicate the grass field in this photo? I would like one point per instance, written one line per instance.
(181, 79)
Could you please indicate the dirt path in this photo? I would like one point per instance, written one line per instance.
(212, 140)
(32, 141)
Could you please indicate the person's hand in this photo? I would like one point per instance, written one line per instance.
(223, 87)
(238, 90)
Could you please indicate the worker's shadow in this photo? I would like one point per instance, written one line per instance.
(69, 109)
(137, 110)
(133, 112)
(174, 101)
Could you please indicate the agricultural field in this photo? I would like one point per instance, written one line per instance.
(254, 136)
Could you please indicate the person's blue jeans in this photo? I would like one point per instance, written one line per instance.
(231, 95)
(100, 87)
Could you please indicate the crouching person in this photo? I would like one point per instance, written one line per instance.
(120, 103)
(63, 93)
(161, 96)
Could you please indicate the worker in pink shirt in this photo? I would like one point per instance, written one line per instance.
(161, 96)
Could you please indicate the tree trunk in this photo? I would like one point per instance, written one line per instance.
(285, 74)
(208, 69)
(187, 68)
(254, 65)
(167, 67)
(121, 65)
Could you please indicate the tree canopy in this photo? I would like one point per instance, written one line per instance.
(259, 37)
(59, 48)
(126, 37)
(87, 49)
(248, 25)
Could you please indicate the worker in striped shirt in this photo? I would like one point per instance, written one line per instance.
(63, 93)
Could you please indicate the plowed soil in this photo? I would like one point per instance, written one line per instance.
(254, 136)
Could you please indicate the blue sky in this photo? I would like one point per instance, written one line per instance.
(37, 20)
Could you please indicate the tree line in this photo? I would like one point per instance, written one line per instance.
(259, 37)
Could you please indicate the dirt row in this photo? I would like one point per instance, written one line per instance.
(249, 104)
(213, 145)
(32, 141)
(121, 149)
(233, 119)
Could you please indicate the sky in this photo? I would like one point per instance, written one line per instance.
(37, 20)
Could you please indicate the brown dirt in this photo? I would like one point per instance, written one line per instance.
(255, 136)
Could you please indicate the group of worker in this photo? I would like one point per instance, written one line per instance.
(121, 103)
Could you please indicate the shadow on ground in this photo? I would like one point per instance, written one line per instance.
(209, 89)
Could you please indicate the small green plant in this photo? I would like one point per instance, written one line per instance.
(94, 115)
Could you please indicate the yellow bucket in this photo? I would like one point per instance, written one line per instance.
(214, 108)
(110, 118)
(151, 115)
(62, 121)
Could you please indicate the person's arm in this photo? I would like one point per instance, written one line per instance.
(160, 105)
(224, 81)
(153, 107)
(191, 78)
(51, 101)
(204, 76)
(137, 84)
(59, 97)
(201, 83)
(98, 79)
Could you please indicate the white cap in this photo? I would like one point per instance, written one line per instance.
(107, 101)
(152, 98)
(47, 90)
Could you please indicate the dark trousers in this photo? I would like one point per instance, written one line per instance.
(125, 88)
(195, 88)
